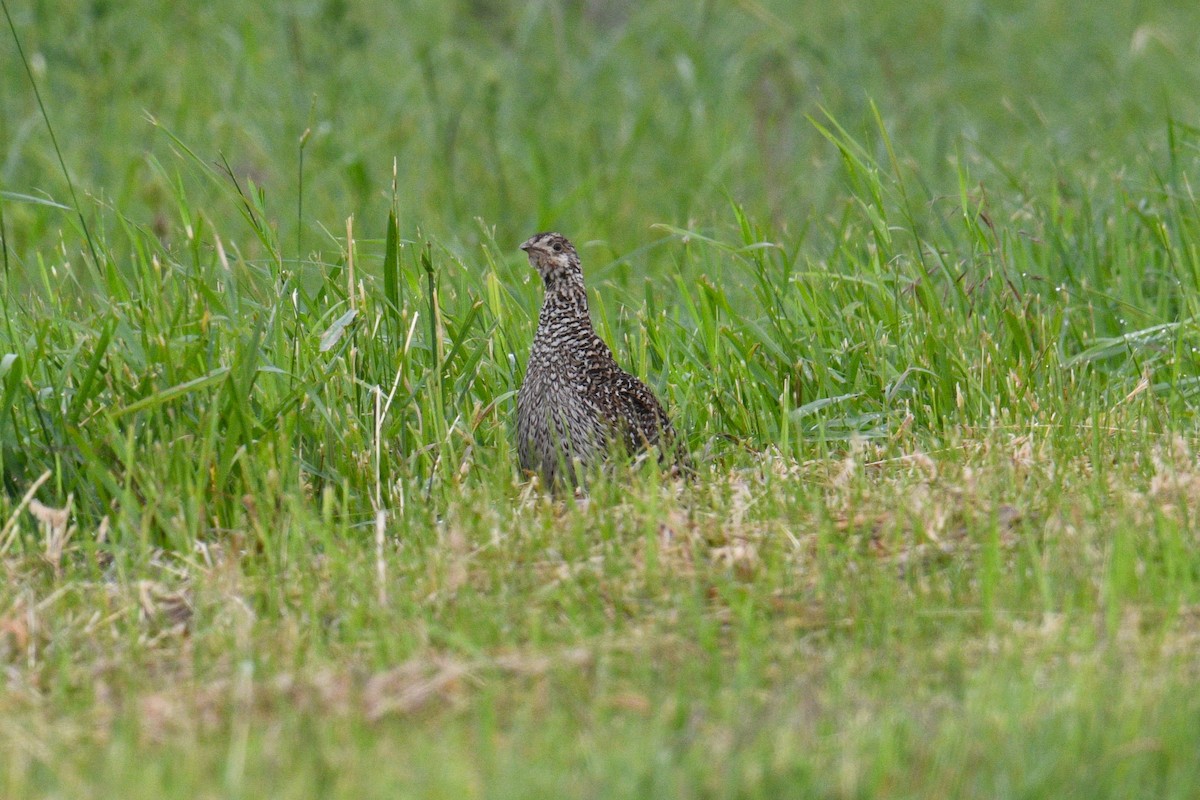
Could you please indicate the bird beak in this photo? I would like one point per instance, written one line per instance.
(525, 246)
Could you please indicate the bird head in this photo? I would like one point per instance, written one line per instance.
(551, 255)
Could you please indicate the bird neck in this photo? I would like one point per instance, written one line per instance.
(565, 295)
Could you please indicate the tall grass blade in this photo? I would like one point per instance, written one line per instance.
(87, 234)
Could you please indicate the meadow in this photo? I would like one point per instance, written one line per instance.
(919, 283)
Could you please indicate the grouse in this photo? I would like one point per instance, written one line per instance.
(576, 406)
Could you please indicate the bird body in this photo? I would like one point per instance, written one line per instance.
(576, 405)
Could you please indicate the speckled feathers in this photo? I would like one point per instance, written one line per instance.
(576, 406)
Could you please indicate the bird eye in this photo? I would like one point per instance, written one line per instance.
(558, 247)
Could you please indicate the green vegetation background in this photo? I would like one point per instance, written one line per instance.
(919, 282)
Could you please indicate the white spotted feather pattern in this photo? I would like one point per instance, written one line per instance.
(576, 405)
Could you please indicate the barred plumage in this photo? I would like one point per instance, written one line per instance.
(576, 404)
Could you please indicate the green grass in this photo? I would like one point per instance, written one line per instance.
(919, 283)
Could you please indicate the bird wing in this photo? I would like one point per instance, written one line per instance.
(642, 417)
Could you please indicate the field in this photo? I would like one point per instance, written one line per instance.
(919, 282)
